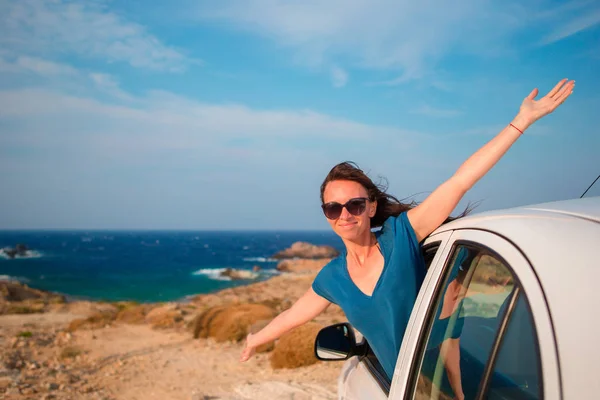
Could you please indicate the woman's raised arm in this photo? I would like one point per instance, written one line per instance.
(433, 211)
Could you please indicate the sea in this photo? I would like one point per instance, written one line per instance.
(144, 266)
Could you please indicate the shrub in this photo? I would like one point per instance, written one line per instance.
(94, 321)
(132, 314)
(230, 323)
(70, 352)
(296, 348)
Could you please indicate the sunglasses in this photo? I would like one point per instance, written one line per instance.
(354, 206)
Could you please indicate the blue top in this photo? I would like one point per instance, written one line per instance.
(382, 317)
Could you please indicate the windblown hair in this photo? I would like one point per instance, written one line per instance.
(387, 205)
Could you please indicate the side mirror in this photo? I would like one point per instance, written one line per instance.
(336, 343)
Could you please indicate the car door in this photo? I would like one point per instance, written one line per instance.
(363, 377)
(480, 328)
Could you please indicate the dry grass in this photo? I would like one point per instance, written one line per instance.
(265, 348)
(296, 348)
(132, 313)
(94, 321)
(70, 352)
(123, 305)
(201, 324)
(230, 323)
(164, 320)
(23, 307)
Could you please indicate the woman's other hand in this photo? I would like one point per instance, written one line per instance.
(249, 349)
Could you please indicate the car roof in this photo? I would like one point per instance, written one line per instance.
(561, 240)
(559, 224)
(586, 208)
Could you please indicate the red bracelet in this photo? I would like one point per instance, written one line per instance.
(516, 128)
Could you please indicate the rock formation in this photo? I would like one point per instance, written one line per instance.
(19, 250)
(307, 251)
(237, 274)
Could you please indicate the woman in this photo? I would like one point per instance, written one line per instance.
(377, 277)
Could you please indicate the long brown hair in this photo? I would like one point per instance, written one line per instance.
(387, 205)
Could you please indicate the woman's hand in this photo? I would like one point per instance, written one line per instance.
(532, 110)
(249, 349)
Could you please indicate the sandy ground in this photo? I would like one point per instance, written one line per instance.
(136, 361)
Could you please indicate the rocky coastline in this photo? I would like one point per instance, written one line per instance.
(55, 348)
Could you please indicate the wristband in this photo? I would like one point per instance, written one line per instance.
(517, 128)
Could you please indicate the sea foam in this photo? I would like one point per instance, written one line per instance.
(28, 254)
(260, 259)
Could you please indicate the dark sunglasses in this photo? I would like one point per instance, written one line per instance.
(354, 206)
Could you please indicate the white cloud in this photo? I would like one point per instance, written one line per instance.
(435, 112)
(339, 77)
(108, 84)
(163, 122)
(38, 66)
(402, 36)
(44, 67)
(573, 26)
(63, 76)
(103, 80)
(84, 29)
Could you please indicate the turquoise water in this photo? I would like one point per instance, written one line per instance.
(144, 266)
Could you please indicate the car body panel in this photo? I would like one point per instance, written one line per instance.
(522, 270)
(561, 240)
(554, 251)
(357, 383)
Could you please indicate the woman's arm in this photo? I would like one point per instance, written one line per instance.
(304, 309)
(451, 353)
(433, 211)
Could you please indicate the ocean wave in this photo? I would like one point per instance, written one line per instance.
(213, 273)
(260, 259)
(216, 273)
(28, 254)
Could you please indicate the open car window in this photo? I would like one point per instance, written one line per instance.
(429, 250)
(465, 331)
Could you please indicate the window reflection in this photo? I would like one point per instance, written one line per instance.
(465, 324)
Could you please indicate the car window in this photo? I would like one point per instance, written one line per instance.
(468, 313)
(429, 251)
(517, 370)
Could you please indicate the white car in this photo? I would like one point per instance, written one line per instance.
(507, 310)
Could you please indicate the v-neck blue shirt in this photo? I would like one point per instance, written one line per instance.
(382, 317)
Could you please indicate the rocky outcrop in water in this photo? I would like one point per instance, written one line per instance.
(307, 251)
(19, 250)
(238, 274)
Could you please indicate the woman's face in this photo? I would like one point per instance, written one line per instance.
(347, 225)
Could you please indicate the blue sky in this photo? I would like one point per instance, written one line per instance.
(228, 114)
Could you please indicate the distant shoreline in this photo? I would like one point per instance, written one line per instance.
(186, 299)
